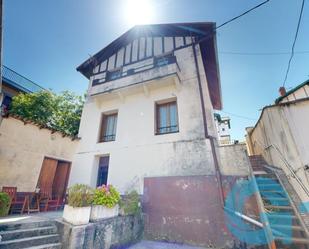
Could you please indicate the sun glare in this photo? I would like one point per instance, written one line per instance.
(139, 12)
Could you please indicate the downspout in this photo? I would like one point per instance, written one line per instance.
(213, 149)
(207, 136)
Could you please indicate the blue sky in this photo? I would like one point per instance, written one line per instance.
(46, 41)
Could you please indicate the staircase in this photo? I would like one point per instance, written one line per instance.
(286, 225)
(31, 234)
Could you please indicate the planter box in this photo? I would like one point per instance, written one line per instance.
(76, 215)
(99, 212)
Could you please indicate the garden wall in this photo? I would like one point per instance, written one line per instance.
(111, 233)
(22, 151)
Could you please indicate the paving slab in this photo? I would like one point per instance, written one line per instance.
(161, 245)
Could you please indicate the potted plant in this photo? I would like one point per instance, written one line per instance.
(105, 203)
(4, 204)
(77, 211)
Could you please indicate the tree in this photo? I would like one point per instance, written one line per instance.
(61, 112)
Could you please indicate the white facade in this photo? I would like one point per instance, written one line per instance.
(281, 136)
(137, 151)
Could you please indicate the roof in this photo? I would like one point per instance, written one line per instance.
(198, 29)
(19, 82)
(278, 100)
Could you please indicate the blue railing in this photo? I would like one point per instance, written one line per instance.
(18, 81)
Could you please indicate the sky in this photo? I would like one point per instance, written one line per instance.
(45, 40)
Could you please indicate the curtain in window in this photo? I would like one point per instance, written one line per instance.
(167, 118)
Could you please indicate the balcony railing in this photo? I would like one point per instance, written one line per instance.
(18, 81)
(127, 70)
(143, 73)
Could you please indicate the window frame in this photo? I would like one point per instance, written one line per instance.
(157, 116)
(103, 126)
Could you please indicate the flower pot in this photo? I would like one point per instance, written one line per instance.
(76, 215)
(101, 212)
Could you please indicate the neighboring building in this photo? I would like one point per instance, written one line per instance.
(147, 109)
(223, 127)
(14, 83)
(281, 135)
(32, 156)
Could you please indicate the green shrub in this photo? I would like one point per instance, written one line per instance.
(4, 204)
(80, 195)
(106, 196)
(130, 204)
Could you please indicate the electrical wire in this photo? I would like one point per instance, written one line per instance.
(294, 42)
(263, 53)
(238, 116)
(231, 20)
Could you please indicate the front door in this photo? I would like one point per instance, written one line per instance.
(103, 171)
(61, 179)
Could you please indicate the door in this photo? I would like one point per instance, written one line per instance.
(47, 175)
(103, 170)
(61, 179)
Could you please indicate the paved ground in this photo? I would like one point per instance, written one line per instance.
(160, 245)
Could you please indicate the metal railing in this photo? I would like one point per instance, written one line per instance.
(288, 165)
(290, 168)
(19, 81)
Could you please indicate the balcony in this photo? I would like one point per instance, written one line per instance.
(19, 82)
(143, 75)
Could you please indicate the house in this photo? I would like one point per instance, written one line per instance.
(149, 108)
(223, 127)
(13, 83)
(31, 156)
(281, 136)
(148, 124)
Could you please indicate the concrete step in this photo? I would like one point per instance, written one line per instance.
(278, 207)
(271, 187)
(30, 241)
(25, 225)
(286, 228)
(46, 246)
(294, 240)
(28, 232)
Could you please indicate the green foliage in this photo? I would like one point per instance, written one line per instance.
(60, 112)
(80, 195)
(107, 196)
(130, 204)
(4, 203)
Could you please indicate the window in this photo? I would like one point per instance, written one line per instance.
(108, 127)
(166, 118)
(113, 75)
(165, 60)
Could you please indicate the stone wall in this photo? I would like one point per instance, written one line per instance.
(108, 233)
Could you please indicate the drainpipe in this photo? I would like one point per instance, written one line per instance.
(207, 136)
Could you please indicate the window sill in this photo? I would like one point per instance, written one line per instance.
(100, 142)
(165, 133)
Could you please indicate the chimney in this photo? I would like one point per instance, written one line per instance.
(282, 91)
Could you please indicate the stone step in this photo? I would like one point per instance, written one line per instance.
(28, 232)
(263, 186)
(25, 225)
(30, 241)
(46, 246)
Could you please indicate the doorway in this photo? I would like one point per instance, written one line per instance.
(53, 179)
(103, 171)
